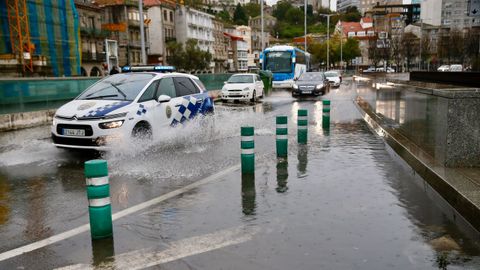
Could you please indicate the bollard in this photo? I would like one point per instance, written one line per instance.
(302, 124)
(247, 146)
(282, 136)
(326, 114)
(98, 193)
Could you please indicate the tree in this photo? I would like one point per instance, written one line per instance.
(397, 49)
(295, 16)
(252, 9)
(177, 58)
(224, 16)
(351, 50)
(410, 43)
(239, 15)
(281, 10)
(189, 58)
(351, 15)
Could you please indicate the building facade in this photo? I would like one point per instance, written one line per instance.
(92, 38)
(194, 24)
(220, 46)
(161, 29)
(362, 31)
(122, 19)
(342, 5)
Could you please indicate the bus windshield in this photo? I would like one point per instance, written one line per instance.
(278, 62)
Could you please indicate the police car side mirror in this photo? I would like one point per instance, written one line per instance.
(163, 98)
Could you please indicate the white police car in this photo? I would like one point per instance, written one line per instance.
(127, 105)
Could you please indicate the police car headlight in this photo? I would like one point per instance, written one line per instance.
(246, 89)
(295, 86)
(109, 125)
(319, 86)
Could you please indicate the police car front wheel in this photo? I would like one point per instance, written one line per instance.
(142, 131)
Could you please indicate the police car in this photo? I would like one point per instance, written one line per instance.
(129, 105)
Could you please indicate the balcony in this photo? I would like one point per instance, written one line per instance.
(170, 39)
(93, 57)
(93, 32)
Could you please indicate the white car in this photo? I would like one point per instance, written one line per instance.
(443, 68)
(245, 86)
(456, 68)
(334, 78)
(129, 105)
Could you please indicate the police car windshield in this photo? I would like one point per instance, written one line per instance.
(241, 79)
(118, 87)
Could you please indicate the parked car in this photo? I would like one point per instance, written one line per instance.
(129, 105)
(370, 69)
(334, 78)
(311, 83)
(243, 86)
(443, 68)
(456, 68)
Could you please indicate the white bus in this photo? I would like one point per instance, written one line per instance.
(286, 63)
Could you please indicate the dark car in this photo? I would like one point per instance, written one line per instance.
(311, 83)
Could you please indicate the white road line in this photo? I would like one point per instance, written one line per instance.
(143, 258)
(84, 228)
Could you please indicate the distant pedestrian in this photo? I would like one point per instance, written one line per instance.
(114, 70)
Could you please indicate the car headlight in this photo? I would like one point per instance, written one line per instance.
(295, 86)
(246, 89)
(319, 86)
(112, 124)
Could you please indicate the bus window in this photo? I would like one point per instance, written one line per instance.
(278, 62)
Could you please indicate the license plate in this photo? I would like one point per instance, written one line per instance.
(306, 92)
(73, 132)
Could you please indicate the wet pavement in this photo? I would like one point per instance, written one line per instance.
(344, 201)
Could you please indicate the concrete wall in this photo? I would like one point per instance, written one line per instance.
(442, 122)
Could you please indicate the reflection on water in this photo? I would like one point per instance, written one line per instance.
(37, 215)
(103, 251)
(282, 175)
(4, 208)
(248, 194)
(302, 160)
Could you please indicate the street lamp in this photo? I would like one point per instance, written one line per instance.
(328, 38)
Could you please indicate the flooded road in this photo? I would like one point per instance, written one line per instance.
(343, 201)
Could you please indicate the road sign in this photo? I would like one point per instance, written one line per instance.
(474, 8)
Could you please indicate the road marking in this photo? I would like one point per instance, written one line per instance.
(144, 258)
(84, 228)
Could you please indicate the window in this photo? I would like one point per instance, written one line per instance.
(165, 18)
(184, 87)
(171, 16)
(149, 94)
(200, 84)
(166, 87)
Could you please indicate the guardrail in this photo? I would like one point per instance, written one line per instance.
(34, 94)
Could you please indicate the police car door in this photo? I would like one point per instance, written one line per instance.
(147, 104)
(165, 110)
(189, 99)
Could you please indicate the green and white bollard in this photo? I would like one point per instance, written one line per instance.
(248, 154)
(326, 114)
(282, 136)
(302, 123)
(98, 193)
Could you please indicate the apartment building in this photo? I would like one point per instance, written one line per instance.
(92, 38)
(122, 19)
(161, 29)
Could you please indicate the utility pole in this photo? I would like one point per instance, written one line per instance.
(142, 32)
(341, 49)
(421, 44)
(261, 12)
(328, 42)
(305, 8)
